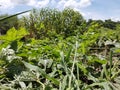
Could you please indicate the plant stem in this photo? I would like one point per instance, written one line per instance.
(41, 84)
(111, 53)
(73, 64)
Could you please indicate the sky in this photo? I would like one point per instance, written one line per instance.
(90, 9)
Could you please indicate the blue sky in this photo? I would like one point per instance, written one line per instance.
(90, 9)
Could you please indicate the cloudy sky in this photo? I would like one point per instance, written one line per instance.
(90, 9)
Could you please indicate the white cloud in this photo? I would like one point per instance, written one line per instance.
(5, 4)
(38, 3)
(61, 4)
(79, 5)
(32, 3)
(85, 3)
(93, 15)
(115, 18)
(100, 16)
(20, 1)
(76, 4)
(43, 3)
(96, 16)
(53, 3)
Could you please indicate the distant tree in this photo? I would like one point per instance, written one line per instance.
(44, 21)
(106, 24)
(110, 24)
(8, 23)
(99, 22)
(72, 22)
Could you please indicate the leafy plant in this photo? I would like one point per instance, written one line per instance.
(13, 37)
(62, 58)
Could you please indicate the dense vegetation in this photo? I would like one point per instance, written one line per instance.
(59, 50)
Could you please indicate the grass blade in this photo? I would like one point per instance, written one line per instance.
(13, 15)
(111, 53)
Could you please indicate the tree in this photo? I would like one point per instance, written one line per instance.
(41, 22)
(72, 21)
(109, 24)
(8, 23)
(99, 22)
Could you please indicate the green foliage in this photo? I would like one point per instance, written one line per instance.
(13, 37)
(9, 21)
(67, 22)
(89, 38)
(109, 24)
(14, 34)
(30, 66)
(60, 54)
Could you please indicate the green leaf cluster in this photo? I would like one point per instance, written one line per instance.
(60, 52)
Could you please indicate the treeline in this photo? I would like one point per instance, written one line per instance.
(48, 22)
(106, 23)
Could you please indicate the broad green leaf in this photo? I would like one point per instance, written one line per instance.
(39, 70)
(14, 34)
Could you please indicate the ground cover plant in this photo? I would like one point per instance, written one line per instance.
(60, 50)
